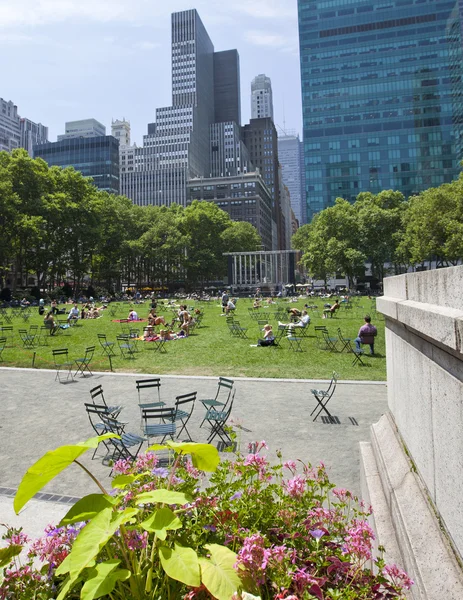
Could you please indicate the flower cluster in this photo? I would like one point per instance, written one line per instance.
(291, 533)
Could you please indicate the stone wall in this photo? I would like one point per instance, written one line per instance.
(424, 338)
(413, 468)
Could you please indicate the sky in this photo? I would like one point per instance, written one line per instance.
(65, 60)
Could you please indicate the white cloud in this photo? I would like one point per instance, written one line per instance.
(267, 9)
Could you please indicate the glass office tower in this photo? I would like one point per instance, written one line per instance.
(381, 96)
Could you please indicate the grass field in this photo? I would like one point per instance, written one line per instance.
(210, 349)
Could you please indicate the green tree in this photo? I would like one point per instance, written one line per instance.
(203, 224)
(434, 226)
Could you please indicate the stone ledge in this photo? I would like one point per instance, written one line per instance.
(426, 553)
(442, 324)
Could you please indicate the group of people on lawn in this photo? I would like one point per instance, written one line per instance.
(183, 320)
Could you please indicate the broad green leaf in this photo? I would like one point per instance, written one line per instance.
(164, 496)
(203, 456)
(6, 554)
(49, 466)
(67, 586)
(181, 564)
(218, 574)
(162, 521)
(155, 447)
(102, 580)
(86, 508)
(123, 481)
(91, 540)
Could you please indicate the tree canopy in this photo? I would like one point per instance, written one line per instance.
(56, 225)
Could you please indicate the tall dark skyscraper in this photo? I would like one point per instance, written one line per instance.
(227, 93)
(381, 96)
(177, 147)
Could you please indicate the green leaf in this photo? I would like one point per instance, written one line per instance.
(218, 574)
(86, 508)
(181, 564)
(162, 521)
(6, 554)
(91, 540)
(49, 466)
(123, 481)
(164, 496)
(155, 447)
(203, 456)
(102, 580)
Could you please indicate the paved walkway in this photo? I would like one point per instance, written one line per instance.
(39, 414)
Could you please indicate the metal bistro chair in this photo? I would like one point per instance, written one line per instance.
(184, 406)
(127, 349)
(323, 397)
(107, 347)
(331, 342)
(222, 395)
(28, 339)
(154, 399)
(94, 412)
(128, 445)
(84, 362)
(62, 363)
(218, 420)
(2, 347)
(159, 422)
(345, 342)
(96, 394)
(358, 353)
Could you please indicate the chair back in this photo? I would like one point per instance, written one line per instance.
(186, 399)
(96, 393)
(60, 353)
(146, 384)
(89, 351)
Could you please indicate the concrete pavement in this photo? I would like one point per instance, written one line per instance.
(39, 414)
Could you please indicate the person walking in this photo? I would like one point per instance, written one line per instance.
(366, 335)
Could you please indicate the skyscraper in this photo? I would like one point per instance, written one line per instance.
(82, 129)
(227, 88)
(290, 150)
(17, 132)
(381, 96)
(261, 97)
(95, 157)
(177, 145)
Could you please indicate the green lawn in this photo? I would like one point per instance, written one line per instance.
(211, 350)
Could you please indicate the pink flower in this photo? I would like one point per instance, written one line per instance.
(358, 540)
(295, 487)
(291, 465)
(254, 557)
(342, 494)
(398, 576)
(258, 462)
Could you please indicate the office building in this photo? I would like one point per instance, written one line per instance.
(381, 96)
(227, 88)
(244, 197)
(17, 132)
(261, 98)
(87, 128)
(260, 137)
(95, 157)
(290, 155)
(121, 131)
(229, 155)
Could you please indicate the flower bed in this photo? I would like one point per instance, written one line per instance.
(248, 530)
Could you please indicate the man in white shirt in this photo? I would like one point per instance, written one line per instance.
(73, 314)
(304, 321)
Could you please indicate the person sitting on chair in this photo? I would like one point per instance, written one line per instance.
(269, 337)
(366, 335)
(49, 322)
(230, 307)
(332, 309)
(304, 321)
(74, 314)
